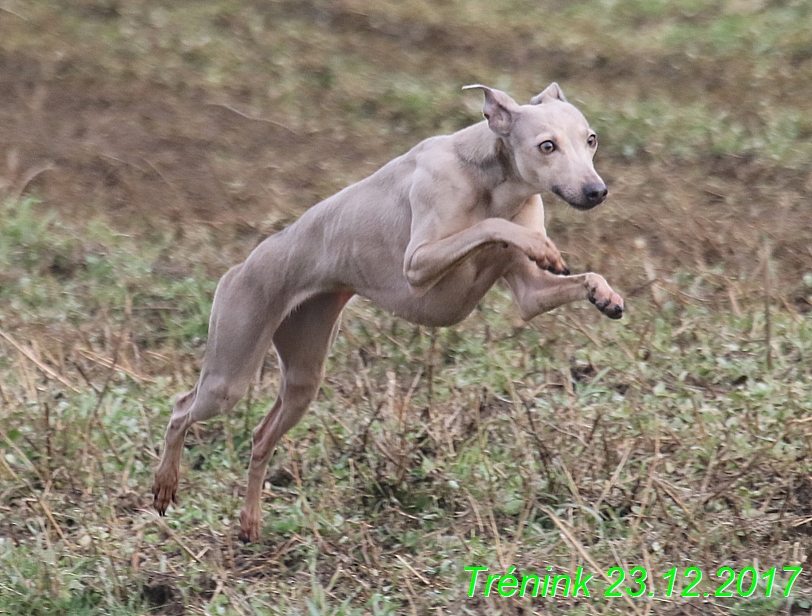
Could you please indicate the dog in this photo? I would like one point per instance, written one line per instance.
(424, 237)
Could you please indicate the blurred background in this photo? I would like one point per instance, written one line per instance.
(147, 146)
(158, 114)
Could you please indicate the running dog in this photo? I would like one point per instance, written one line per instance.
(424, 237)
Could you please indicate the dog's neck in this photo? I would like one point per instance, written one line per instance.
(490, 158)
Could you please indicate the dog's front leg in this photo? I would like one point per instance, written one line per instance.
(428, 261)
(531, 215)
(537, 291)
(448, 227)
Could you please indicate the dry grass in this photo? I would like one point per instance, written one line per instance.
(166, 140)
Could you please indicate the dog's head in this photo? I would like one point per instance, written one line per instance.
(551, 143)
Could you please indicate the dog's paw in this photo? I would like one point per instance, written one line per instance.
(164, 491)
(250, 526)
(559, 269)
(608, 302)
(550, 259)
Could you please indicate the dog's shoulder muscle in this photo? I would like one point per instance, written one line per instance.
(439, 180)
(480, 154)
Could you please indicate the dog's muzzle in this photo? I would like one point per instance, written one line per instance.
(591, 195)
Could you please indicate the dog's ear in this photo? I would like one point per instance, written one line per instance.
(550, 93)
(499, 109)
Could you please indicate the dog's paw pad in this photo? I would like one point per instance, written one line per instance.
(614, 312)
(612, 309)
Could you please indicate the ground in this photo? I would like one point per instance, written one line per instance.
(147, 146)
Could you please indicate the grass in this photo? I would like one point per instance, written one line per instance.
(664, 439)
(735, 51)
(677, 437)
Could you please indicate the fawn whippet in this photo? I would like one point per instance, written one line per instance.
(424, 237)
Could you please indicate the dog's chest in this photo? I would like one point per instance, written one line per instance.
(496, 204)
(450, 300)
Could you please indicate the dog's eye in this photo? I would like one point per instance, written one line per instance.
(592, 141)
(547, 147)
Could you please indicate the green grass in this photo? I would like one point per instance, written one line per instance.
(676, 437)
(514, 422)
(719, 78)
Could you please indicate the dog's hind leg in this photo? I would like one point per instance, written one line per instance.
(240, 331)
(302, 342)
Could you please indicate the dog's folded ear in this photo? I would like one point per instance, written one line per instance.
(550, 93)
(499, 109)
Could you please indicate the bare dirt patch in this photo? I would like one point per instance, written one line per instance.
(94, 144)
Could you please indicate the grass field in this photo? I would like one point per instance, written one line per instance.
(147, 146)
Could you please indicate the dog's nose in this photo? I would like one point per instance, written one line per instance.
(595, 193)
